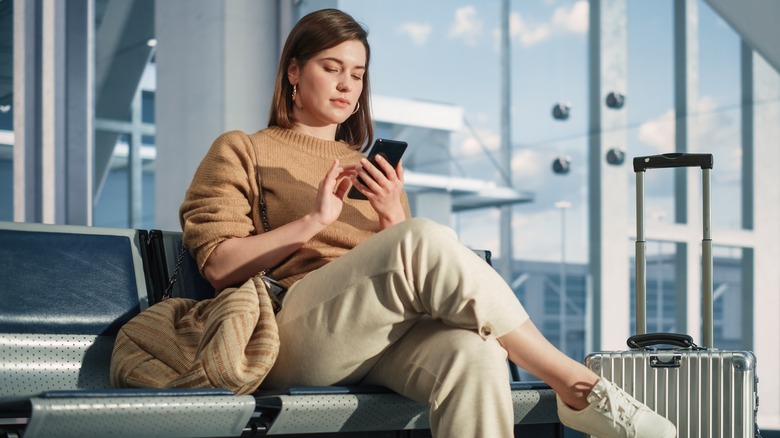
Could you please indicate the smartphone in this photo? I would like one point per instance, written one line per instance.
(390, 150)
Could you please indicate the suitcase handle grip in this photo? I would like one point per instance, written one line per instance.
(650, 339)
(677, 159)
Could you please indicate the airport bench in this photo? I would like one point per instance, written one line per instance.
(66, 290)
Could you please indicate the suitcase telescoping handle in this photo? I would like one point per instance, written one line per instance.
(677, 159)
(641, 164)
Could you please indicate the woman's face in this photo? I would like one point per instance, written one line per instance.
(329, 85)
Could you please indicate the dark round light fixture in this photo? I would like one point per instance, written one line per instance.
(615, 100)
(560, 111)
(616, 156)
(561, 165)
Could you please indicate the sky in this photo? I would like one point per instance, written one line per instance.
(448, 51)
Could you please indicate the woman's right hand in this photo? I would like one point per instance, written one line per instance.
(235, 260)
(330, 193)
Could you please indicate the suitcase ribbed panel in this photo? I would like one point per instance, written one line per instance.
(708, 394)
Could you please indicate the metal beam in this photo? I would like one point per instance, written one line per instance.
(688, 309)
(608, 184)
(504, 262)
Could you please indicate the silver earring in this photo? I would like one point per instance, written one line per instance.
(356, 108)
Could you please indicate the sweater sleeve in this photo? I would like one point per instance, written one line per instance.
(219, 203)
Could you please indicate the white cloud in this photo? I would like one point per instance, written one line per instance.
(467, 25)
(565, 20)
(658, 133)
(527, 34)
(417, 32)
(573, 19)
(470, 145)
(527, 167)
(717, 132)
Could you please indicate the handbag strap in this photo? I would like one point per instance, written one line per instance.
(263, 218)
(183, 251)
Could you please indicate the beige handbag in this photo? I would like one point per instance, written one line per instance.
(230, 342)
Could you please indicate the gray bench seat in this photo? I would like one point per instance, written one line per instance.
(66, 290)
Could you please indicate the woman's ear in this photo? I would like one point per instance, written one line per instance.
(293, 71)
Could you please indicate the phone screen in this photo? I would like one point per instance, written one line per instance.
(391, 150)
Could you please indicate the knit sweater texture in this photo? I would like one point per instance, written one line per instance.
(223, 200)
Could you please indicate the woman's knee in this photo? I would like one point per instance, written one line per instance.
(426, 230)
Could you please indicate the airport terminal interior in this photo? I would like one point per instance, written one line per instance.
(522, 119)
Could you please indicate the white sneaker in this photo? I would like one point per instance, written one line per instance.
(614, 413)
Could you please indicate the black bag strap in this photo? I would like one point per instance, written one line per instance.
(263, 218)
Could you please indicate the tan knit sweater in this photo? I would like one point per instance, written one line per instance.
(223, 201)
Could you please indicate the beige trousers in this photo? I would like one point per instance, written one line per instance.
(415, 311)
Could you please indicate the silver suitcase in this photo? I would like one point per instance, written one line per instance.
(705, 392)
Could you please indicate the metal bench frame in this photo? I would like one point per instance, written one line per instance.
(54, 368)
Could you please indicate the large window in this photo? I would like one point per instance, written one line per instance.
(718, 114)
(450, 53)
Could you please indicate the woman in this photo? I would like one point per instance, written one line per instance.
(375, 297)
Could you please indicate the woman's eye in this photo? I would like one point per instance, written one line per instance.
(357, 77)
(331, 70)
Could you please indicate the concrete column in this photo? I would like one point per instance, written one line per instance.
(53, 111)
(27, 190)
(80, 110)
(766, 209)
(608, 185)
(216, 66)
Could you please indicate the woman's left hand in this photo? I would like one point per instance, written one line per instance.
(383, 186)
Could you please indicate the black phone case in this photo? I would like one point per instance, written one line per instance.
(391, 150)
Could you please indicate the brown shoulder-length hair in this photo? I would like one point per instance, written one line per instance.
(315, 32)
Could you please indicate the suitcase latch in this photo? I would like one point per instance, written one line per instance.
(665, 360)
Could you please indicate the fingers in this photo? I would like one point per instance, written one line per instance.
(330, 195)
(386, 171)
(335, 173)
(399, 170)
(375, 175)
(338, 179)
(348, 172)
(342, 188)
(379, 180)
(334, 170)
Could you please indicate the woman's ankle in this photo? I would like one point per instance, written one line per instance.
(575, 395)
